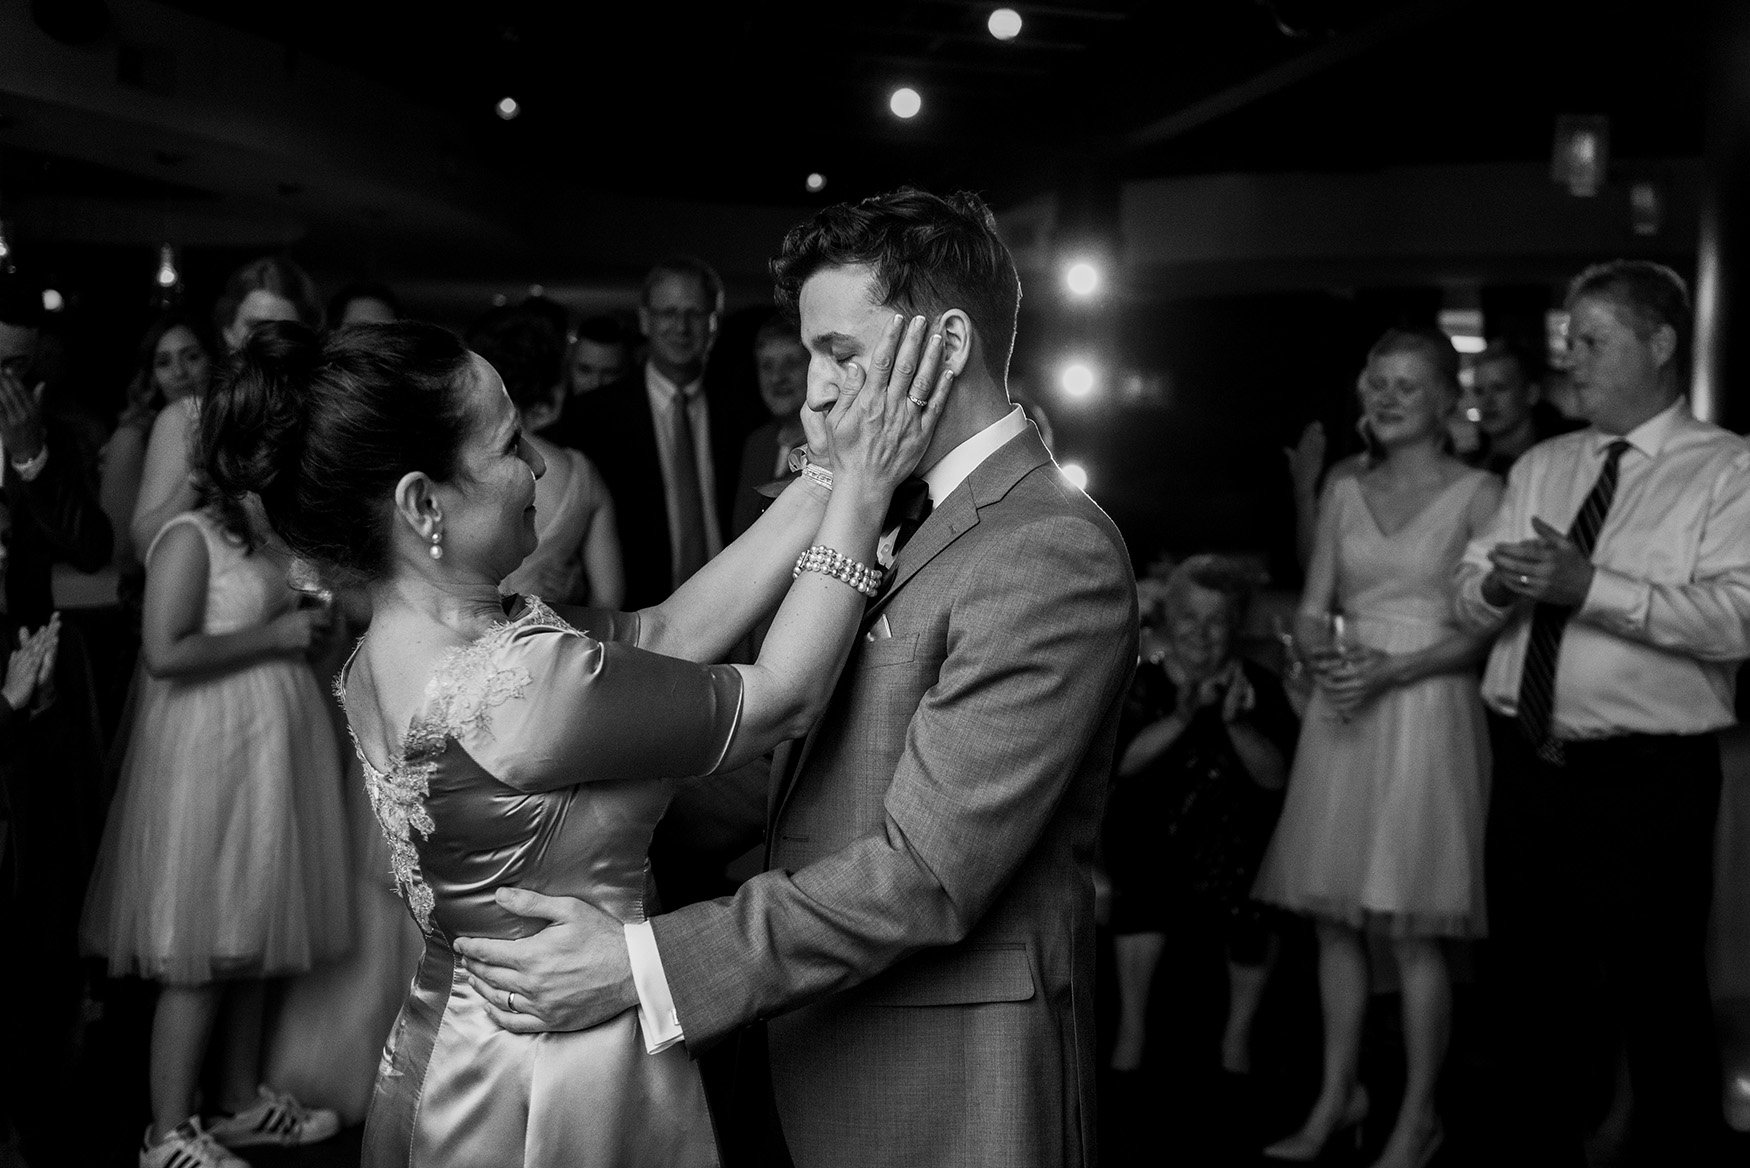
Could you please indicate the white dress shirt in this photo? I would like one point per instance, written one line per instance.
(656, 1012)
(665, 398)
(1654, 647)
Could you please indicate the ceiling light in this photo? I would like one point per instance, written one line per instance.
(905, 102)
(167, 274)
(815, 182)
(508, 108)
(53, 301)
(1005, 24)
(1076, 474)
(1082, 278)
(1078, 379)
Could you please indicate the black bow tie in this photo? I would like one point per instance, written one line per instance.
(910, 507)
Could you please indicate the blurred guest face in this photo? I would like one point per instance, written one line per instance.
(259, 307)
(366, 310)
(17, 350)
(1615, 373)
(1403, 399)
(489, 516)
(1200, 630)
(782, 366)
(180, 364)
(1504, 396)
(594, 364)
(680, 322)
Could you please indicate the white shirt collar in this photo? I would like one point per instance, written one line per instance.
(954, 467)
(1651, 435)
(656, 383)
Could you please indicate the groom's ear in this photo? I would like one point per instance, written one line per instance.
(956, 329)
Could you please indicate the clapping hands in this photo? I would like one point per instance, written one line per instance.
(30, 670)
(1550, 569)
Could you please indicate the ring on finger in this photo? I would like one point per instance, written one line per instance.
(917, 401)
(510, 1002)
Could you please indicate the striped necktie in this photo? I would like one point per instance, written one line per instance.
(1537, 680)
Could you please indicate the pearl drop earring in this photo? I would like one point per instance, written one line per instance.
(437, 545)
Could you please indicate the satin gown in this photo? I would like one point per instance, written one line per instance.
(540, 760)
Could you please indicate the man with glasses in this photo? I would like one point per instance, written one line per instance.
(667, 461)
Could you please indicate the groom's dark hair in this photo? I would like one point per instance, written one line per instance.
(928, 254)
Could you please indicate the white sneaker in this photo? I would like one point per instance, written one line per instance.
(187, 1146)
(275, 1119)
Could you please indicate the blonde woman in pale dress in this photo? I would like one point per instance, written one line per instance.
(1382, 829)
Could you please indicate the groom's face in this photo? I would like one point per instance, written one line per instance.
(841, 325)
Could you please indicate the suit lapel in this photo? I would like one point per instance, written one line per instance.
(948, 521)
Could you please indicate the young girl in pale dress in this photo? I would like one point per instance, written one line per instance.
(223, 862)
(1382, 828)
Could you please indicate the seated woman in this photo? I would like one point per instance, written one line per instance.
(507, 744)
(1199, 787)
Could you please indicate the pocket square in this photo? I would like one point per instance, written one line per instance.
(879, 631)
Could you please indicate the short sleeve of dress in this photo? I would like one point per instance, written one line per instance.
(559, 707)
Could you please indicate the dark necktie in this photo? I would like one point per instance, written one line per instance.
(1537, 679)
(689, 496)
(910, 507)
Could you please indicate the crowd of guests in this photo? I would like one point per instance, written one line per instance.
(1514, 650)
(259, 905)
(1493, 723)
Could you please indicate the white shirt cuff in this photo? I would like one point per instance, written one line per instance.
(656, 1013)
(31, 468)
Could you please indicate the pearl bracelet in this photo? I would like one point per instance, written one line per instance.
(828, 562)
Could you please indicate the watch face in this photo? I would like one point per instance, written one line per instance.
(798, 459)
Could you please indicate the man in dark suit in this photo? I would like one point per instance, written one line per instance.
(668, 460)
(50, 764)
(922, 943)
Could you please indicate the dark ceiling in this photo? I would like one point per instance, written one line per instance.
(641, 118)
(738, 102)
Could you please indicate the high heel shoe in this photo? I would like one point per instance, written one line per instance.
(1304, 1148)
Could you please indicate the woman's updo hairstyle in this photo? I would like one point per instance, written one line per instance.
(321, 429)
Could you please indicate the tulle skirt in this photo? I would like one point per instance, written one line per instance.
(1382, 824)
(225, 852)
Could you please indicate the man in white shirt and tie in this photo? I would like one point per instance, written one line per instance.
(664, 456)
(1618, 571)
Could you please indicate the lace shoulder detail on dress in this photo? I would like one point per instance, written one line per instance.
(468, 684)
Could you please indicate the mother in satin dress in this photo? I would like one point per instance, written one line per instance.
(507, 743)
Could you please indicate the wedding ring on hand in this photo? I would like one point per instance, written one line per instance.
(919, 402)
(510, 1002)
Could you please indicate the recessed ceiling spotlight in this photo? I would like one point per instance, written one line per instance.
(1082, 278)
(53, 301)
(815, 182)
(905, 102)
(1077, 379)
(1005, 24)
(508, 108)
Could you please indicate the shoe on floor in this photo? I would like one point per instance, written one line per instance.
(276, 1119)
(187, 1146)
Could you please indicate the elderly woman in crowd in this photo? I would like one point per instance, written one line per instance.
(1199, 786)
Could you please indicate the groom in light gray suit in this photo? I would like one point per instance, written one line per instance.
(921, 948)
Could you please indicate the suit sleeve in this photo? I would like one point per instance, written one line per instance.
(1040, 645)
(63, 505)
